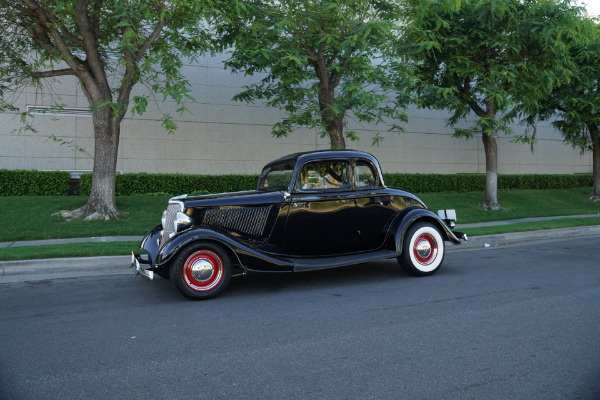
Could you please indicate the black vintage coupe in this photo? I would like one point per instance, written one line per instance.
(315, 210)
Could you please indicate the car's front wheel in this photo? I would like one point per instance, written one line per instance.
(201, 270)
(423, 250)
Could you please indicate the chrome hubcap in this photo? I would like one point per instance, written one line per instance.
(423, 248)
(202, 270)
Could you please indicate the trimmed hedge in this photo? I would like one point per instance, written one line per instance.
(33, 183)
(175, 184)
(142, 183)
(458, 183)
(56, 183)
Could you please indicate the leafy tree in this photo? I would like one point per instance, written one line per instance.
(497, 59)
(324, 59)
(109, 46)
(575, 105)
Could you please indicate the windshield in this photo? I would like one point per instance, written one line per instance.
(276, 176)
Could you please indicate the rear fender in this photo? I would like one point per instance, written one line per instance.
(405, 221)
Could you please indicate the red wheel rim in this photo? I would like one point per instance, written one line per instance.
(425, 249)
(203, 270)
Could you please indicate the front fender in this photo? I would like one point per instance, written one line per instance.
(404, 221)
(246, 256)
(151, 244)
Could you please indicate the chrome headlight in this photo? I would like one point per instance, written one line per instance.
(181, 221)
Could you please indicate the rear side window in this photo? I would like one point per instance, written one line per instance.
(324, 175)
(365, 176)
(276, 177)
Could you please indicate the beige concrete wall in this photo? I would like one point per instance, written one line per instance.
(221, 136)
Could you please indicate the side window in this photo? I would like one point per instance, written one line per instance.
(322, 175)
(365, 176)
(278, 176)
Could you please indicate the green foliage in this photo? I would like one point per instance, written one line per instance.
(133, 41)
(175, 184)
(518, 204)
(495, 58)
(30, 217)
(576, 103)
(324, 60)
(56, 183)
(426, 183)
(107, 47)
(35, 217)
(33, 183)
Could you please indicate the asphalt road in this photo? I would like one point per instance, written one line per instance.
(516, 322)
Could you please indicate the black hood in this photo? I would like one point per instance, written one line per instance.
(246, 198)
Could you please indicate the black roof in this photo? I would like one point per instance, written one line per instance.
(324, 154)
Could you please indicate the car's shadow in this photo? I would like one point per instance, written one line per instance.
(349, 277)
(353, 275)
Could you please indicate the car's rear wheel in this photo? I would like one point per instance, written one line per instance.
(423, 250)
(201, 270)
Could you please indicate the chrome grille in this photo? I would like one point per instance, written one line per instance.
(169, 227)
(249, 221)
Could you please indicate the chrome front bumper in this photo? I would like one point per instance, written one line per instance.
(150, 246)
(137, 262)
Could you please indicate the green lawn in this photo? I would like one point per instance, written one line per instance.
(517, 204)
(30, 218)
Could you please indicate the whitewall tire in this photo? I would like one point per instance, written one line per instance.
(423, 250)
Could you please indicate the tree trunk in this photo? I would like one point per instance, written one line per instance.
(490, 147)
(595, 135)
(490, 199)
(101, 203)
(336, 136)
(332, 122)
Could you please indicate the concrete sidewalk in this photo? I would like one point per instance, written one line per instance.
(36, 270)
(517, 221)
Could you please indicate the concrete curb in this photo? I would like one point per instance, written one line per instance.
(36, 270)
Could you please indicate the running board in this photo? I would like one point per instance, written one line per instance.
(312, 264)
